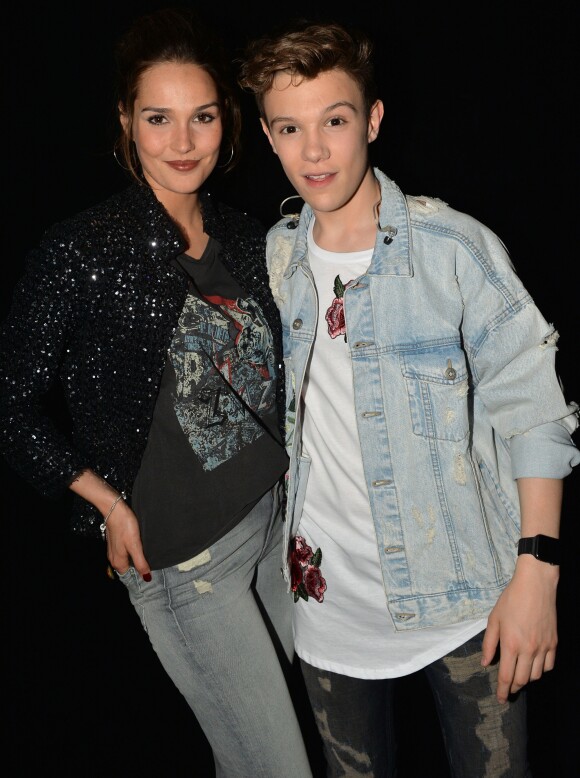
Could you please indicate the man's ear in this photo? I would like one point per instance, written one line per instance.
(268, 135)
(375, 119)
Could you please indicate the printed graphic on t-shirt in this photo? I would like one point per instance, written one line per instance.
(307, 580)
(335, 314)
(224, 365)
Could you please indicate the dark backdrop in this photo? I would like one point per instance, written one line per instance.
(479, 113)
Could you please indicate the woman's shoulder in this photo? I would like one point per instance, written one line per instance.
(118, 212)
(130, 222)
(226, 222)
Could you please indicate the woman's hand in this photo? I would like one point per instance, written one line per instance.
(124, 548)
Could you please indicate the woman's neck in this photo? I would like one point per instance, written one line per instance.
(185, 210)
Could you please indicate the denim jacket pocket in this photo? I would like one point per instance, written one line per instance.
(437, 387)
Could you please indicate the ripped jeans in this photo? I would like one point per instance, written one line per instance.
(205, 621)
(482, 738)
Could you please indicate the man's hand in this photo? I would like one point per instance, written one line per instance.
(523, 623)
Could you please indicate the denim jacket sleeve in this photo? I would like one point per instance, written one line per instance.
(511, 347)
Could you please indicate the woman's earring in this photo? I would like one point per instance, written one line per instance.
(229, 160)
(117, 160)
(294, 217)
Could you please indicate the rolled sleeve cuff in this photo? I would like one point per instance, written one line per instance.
(546, 451)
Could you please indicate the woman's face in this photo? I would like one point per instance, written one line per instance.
(176, 127)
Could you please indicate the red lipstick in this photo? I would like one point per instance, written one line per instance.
(183, 165)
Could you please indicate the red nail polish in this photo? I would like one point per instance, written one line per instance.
(147, 577)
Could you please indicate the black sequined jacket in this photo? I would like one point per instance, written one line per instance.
(95, 312)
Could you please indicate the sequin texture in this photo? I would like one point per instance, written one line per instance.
(95, 311)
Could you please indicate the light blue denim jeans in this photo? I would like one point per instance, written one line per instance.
(205, 621)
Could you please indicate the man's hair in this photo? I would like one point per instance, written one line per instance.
(304, 50)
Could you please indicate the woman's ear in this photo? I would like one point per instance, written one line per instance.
(123, 117)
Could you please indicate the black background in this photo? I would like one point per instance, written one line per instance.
(479, 112)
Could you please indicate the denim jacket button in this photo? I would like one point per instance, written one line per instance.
(450, 372)
(296, 324)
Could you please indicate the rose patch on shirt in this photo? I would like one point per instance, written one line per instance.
(335, 314)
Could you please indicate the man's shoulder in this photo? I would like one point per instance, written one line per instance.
(425, 211)
(423, 206)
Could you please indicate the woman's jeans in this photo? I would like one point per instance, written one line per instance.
(205, 620)
(482, 738)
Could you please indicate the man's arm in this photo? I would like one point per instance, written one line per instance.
(523, 620)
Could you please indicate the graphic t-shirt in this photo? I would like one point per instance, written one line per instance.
(214, 448)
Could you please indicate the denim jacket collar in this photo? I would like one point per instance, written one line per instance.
(391, 258)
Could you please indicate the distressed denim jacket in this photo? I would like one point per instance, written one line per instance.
(451, 361)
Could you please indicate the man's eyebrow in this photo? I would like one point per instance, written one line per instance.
(341, 104)
(328, 109)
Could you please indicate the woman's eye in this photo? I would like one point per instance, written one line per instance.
(156, 118)
(204, 118)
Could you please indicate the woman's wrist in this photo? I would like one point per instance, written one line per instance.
(103, 526)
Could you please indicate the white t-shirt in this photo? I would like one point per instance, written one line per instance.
(350, 631)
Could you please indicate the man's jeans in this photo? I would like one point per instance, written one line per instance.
(482, 738)
(205, 621)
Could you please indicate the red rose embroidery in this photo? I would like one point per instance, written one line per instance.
(302, 551)
(335, 318)
(335, 314)
(296, 573)
(307, 580)
(315, 583)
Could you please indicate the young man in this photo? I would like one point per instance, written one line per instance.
(426, 427)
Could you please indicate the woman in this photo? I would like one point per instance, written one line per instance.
(153, 312)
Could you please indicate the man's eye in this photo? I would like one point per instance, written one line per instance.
(336, 121)
(290, 130)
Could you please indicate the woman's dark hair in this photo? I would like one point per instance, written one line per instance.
(173, 35)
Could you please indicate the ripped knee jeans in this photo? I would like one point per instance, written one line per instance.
(483, 739)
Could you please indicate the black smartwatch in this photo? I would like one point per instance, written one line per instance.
(544, 548)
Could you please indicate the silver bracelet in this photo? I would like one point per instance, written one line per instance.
(103, 526)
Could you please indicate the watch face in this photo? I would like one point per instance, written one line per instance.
(544, 548)
(548, 549)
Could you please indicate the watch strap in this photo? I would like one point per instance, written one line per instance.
(543, 547)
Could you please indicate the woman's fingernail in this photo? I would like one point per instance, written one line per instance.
(147, 577)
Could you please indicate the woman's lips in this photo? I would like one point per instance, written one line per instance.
(183, 166)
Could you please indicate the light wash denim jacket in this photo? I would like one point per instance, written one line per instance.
(452, 362)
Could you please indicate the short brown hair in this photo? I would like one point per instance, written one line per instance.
(306, 49)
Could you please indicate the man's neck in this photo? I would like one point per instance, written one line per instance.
(352, 227)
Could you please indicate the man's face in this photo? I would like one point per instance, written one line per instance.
(320, 130)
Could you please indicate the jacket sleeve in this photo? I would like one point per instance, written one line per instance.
(512, 351)
(33, 340)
